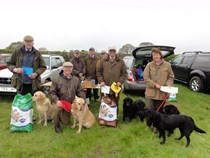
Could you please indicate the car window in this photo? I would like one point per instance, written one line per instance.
(54, 62)
(47, 61)
(2, 61)
(7, 58)
(202, 60)
(59, 62)
(177, 60)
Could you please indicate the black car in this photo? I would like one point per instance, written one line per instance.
(193, 68)
(138, 61)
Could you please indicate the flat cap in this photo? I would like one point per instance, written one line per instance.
(91, 48)
(67, 64)
(28, 38)
(112, 48)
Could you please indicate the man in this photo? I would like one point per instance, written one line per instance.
(79, 69)
(90, 63)
(112, 69)
(27, 65)
(65, 87)
(103, 57)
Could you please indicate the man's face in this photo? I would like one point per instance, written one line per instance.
(67, 70)
(28, 44)
(112, 53)
(77, 54)
(103, 55)
(91, 52)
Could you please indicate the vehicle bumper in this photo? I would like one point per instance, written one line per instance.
(140, 85)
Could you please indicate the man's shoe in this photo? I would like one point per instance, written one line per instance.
(58, 129)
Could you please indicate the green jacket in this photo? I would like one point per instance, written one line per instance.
(39, 67)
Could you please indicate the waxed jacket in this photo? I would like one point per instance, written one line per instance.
(161, 74)
(39, 67)
(64, 88)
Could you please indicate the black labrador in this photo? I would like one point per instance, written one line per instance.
(164, 122)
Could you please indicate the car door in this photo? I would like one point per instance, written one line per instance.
(175, 64)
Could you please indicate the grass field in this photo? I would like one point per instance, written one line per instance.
(128, 140)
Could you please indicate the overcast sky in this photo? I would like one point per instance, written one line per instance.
(80, 24)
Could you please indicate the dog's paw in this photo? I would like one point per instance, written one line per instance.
(73, 126)
(40, 121)
(79, 131)
(45, 124)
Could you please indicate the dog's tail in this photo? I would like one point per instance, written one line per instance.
(199, 130)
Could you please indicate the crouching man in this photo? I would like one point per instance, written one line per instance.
(64, 88)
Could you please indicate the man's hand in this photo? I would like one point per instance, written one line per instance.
(18, 70)
(80, 74)
(157, 86)
(33, 76)
(119, 84)
(59, 104)
(102, 83)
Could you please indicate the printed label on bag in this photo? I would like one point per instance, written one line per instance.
(108, 113)
(20, 117)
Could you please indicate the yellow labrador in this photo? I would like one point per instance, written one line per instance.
(43, 106)
(82, 114)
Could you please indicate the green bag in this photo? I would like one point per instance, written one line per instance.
(22, 113)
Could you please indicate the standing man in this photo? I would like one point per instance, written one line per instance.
(103, 57)
(157, 73)
(79, 65)
(90, 63)
(112, 69)
(27, 58)
(65, 87)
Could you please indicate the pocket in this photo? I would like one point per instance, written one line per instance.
(150, 92)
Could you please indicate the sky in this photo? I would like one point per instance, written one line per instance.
(81, 24)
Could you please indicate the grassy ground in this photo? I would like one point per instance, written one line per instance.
(127, 140)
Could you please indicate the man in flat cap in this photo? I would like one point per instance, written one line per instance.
(79, 68)
(64, 88)
(90, 63)
(112, 69)
(26, 64)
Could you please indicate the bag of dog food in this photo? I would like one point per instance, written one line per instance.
(22, 113)
(107, 113)
(172, 97)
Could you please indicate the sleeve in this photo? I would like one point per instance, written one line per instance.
(80, 92)
(53, 92)
(147, 77)
(42, 66)
(11, 64)
(99, 71)
(170, 76)
(83, 68)
(123, 73)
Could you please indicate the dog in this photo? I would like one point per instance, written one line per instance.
(139, 106)
(43, 106)
(128, 109)
(164, 122)
(131, 109)
(82, 114)
(169, 109)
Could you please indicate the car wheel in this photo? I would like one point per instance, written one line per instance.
(196, 84)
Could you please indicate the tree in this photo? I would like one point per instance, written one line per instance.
(126, 49)
(142, 44)
(42, 49)
(14, 45)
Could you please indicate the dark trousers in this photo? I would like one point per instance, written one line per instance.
(25, 89)
(89, 93)
(60, 116)
(153, 104)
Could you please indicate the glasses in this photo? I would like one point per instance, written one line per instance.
(112, 50)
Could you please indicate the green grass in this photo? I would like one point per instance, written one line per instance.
(127, 140)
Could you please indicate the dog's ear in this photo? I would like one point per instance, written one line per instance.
(42, 96)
